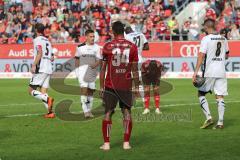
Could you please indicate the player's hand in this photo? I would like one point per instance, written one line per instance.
(33, 69)
(194, 77)
(92, 66)
(101, 92)
(52, 59)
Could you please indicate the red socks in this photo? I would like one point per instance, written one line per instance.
(157, 100)
(127, 124)
(106, 129)
(146, 101)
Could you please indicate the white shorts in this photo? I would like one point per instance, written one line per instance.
(81, 75)
(90, 85)
(217, 85)
(40, 80)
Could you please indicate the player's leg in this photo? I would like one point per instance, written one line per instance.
(50, 100)
(125, 103)
(147, 89)
(37, 81)
(141, 87)
(220, 90)
(91, 89)
(84, 99)
(127, 124)
(109, 101)
(157, 98)
(207, 87)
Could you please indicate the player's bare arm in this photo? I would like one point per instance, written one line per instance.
(102, 74)
(227, 55)
(37, 59)
(52, 57)
(198, 65)
(77, 62)
(135, 77)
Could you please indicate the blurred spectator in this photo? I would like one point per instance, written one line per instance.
(64, 35)
(185, 30)
(194, 30)
(67, 20)
(2, 14)
(234, 33)
(174, 29)
(210, 14)
(2, 28)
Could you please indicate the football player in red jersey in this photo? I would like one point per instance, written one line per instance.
(151, 74)
(120, 57)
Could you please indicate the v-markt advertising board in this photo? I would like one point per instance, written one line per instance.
(176, 67)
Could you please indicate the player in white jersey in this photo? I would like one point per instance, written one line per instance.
(138, 39)
(87, 59)
(141, 42)
(42, 70)
(213, 53)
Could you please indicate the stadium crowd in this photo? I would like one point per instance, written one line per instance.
(67, 20)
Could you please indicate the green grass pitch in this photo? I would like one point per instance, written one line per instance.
(26, 135)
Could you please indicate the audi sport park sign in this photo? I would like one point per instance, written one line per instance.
(179, 57)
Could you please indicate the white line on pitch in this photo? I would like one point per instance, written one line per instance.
(163, 106)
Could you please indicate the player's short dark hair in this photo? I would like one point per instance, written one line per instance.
(89, 31)
(210, 23)
(128, 30)
(40, 28)
(118, 27)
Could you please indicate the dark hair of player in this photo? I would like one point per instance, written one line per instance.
(118, 28)
(153, 67)
(89, 31)
(128, 30)
(40, 28)
(210, 23)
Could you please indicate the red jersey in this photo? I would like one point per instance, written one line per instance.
(119, 54)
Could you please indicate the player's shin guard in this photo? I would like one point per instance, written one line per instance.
(84, 103)
(106, 130)
(205, 108)
(146, 101)
(157, 100)
(38, 95)
(127, 129)
(221, 109)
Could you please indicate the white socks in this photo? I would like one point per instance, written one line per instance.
(221, 109)
(206, 111)
(84, 102)
(39, 95)
(205, 107)
(87, 102)
(90, 102)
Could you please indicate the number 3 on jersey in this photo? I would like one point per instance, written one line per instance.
(120, 56)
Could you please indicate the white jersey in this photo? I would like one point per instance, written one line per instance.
(88, 55)
(215, 48)
(45, 65)
(139, 39)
